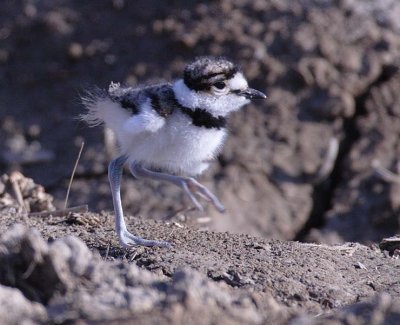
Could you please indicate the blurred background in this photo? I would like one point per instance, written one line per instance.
(329, 68)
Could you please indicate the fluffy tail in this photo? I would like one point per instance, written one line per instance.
(91, 101)
(101, 109)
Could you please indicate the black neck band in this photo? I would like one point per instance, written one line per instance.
(201, 118)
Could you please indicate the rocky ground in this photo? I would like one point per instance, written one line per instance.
(65, 267)
(330, 69)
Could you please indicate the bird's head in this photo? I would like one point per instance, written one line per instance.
(215, 84)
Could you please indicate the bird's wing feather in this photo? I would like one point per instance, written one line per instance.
(146, 121)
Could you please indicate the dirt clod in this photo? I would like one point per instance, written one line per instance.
(330, 70)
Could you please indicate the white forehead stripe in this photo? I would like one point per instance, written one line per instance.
(237, 82)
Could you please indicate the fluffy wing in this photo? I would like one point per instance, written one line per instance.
(147, 119)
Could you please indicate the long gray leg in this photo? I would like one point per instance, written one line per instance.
(188, 184)
(126, 239)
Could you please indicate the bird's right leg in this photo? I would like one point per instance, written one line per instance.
(126, 239)
(188, 184)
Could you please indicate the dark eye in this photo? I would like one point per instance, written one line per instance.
(219, 85)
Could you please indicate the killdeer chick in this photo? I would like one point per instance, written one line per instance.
(170, 132)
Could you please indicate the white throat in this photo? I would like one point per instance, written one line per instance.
(216, 105)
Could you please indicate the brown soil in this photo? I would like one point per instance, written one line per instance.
(330, 69)
(71, 269)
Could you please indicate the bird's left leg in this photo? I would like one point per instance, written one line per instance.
(188, 184)
(126, 239)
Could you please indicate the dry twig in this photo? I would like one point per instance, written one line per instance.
(349, 249)
(384, 173)
(14, 177)
(73, 174)
(57, 213)
(203, 220)
(328, 163)
(107, 251)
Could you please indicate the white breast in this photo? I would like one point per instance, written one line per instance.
(178, 146)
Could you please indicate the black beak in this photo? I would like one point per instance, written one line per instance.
(250, 93)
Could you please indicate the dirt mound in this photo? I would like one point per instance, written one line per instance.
(205, 278)
(20, 194)
(64, 266)
(72, 283)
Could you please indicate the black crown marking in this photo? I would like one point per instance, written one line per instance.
(201, 73)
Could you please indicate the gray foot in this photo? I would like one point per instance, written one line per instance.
(127, 240)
